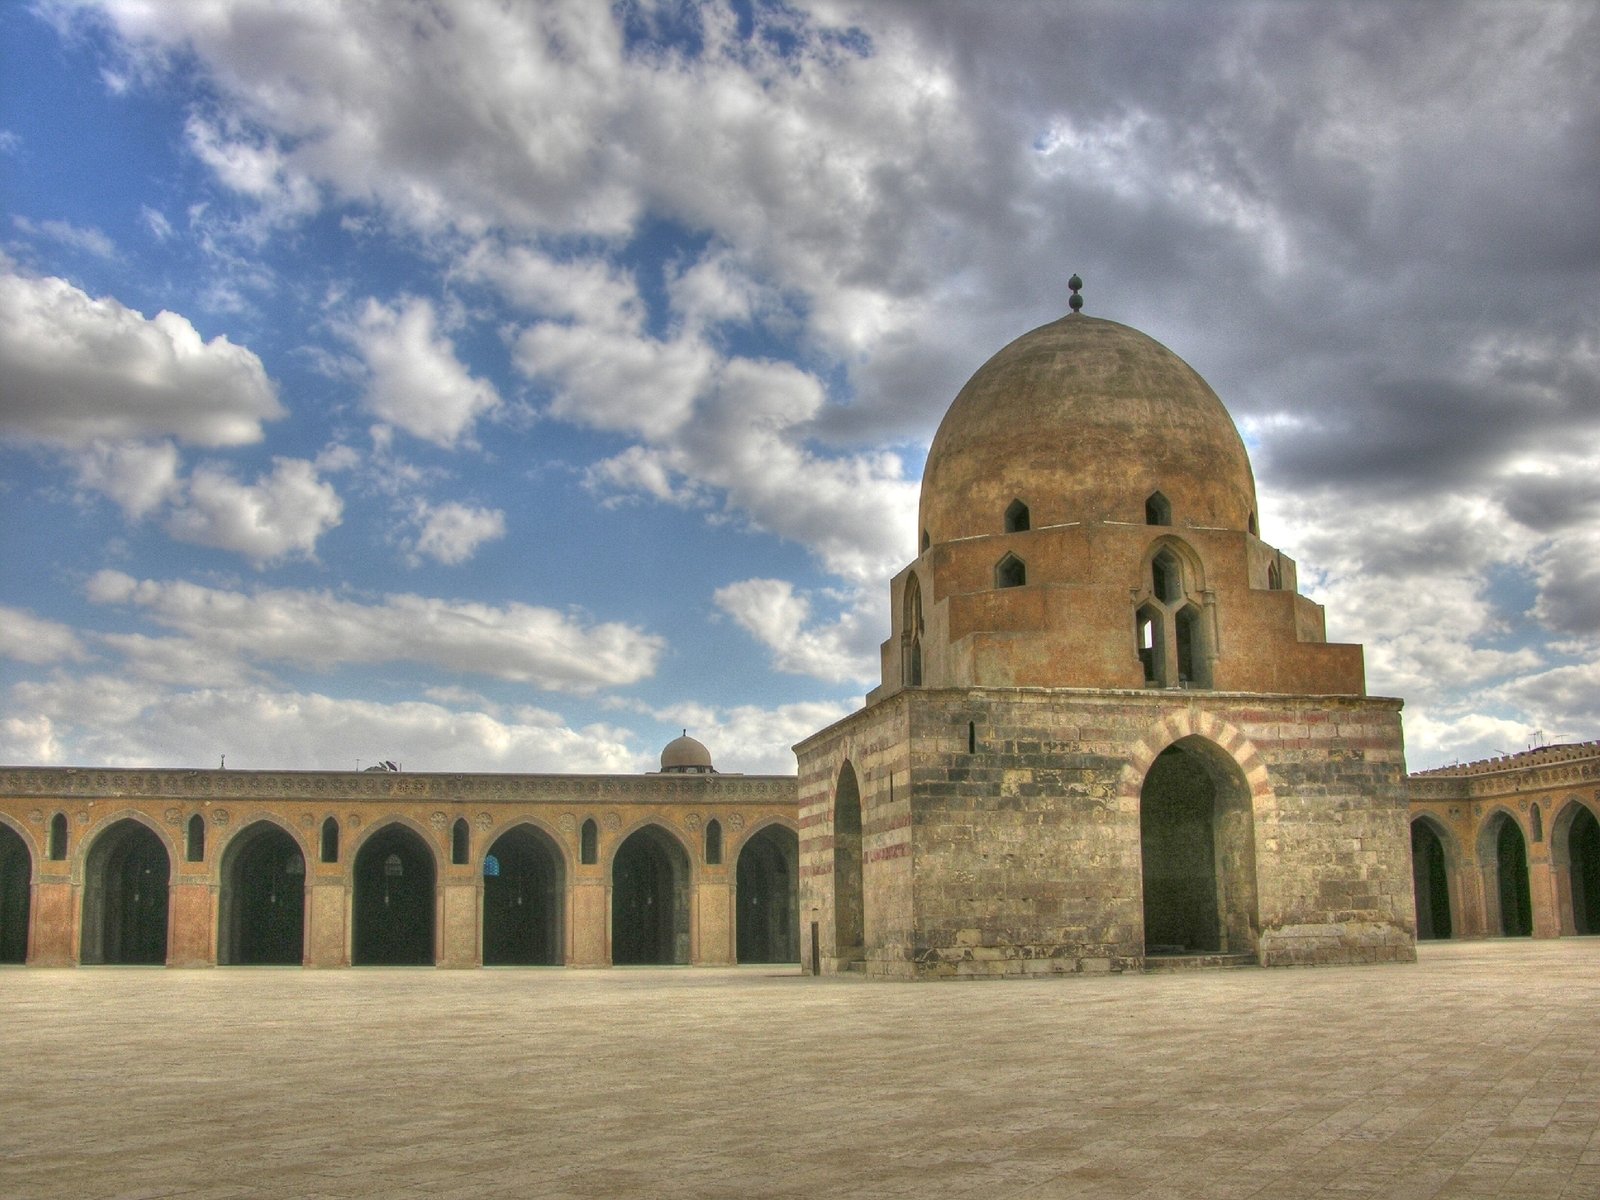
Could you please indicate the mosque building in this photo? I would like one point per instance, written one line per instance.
(1110, 735)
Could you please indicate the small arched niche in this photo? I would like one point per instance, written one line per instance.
(1016, 518)
(1010, 572)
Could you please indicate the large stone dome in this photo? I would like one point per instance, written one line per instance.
(1084, 420)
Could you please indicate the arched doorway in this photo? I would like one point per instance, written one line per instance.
(1504, 853)
(16, 895)
(849, 897)
(1430, 879)
(650, 899)
(263, 901)
(524, 889)
(766, 895)
(1575, 851)
(1197, 846)
(393, 925)
(125, 880)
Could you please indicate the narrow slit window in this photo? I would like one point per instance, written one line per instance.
(714, 843)
(58, 837)
(588, 843)
(330, 841)
(972, 737)
(1274, 577)
(460, 842)
(195, 849)
(1536, 824)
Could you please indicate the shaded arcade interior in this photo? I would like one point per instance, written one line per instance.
(393, 900)
(523, 889)
(767, 923)
(262, 903)
(650, 900)
(126, 876)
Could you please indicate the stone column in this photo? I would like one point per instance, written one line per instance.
(591, 920)
(52, 942)
(461, 909)
(327, 940)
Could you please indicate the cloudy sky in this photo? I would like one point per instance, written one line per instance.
(506, 387)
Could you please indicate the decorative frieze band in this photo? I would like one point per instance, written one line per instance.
(386, 785)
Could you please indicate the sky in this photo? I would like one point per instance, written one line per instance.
(491, 387)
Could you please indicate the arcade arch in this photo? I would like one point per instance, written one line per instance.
(1575, 857)
(262, 902)
(524, 891)
(392, 899)
(125, 877)
(1430, 876)
(1503, 853)
(1197, 850)
(16, 895)
(766, 897)
(650, 899)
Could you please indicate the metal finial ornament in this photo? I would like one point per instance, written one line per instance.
(1076, 284)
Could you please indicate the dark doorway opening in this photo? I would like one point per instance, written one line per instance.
(1430, 879)
(1511, 858)
(125, 897)
(16, 895)
(524, 890)
(394, 874)
(1583, 871)
(767, 924)
(650, 900)
(849, 899)
(263, 901)
(1197, 845)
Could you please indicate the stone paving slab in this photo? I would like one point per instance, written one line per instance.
(1474, 1073)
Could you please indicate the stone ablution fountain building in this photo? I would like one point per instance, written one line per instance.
(1110, 734)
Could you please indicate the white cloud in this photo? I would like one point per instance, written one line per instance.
(280, 515)
(78, 370)
(115, 721)
(31, 639)
(518, 642)
(255, 167)
(415, 379)
(591, 290)
(780, 619)
(86, 238)
(451, 533)
(139, 476)
(747, 738)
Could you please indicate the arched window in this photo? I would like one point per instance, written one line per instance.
(588, 843)
(1010, 572)
(195, 848)
(1149, 635)
(1166, 577)
(393, 867)
(1191, 657)
(1536, 824)
(1157, 510)
(1274, 577)
(911, 634)
(1017, 517)
(1254, 532)
(330, 841)
(491, 866)
(57, 849)
(714, 843)
(460, 839)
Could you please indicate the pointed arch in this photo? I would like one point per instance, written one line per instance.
(524, 897)
(127, 871)
(849, 897)
(393, 880)
(1157, 510)
(1010, 572)
(261, 911)
(1575, 862)
(16, 894)
(1016, 519)
(1503, 861)
(911, 632)
(1434, 864)
(651, 883)
(766, 896)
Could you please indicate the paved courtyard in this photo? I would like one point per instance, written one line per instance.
(1474, 1073)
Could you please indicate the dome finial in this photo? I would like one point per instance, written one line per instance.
(1076, 284)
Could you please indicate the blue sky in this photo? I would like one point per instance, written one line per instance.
(507, 390)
